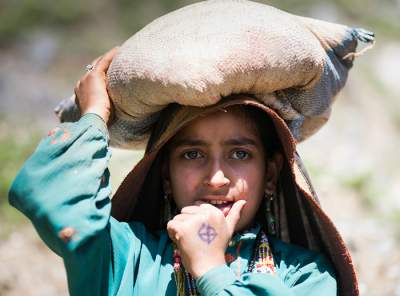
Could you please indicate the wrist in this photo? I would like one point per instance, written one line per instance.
(204, 266)
(215, 280)
(101, 113)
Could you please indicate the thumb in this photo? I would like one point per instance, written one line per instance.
(104, 62)
(234, 214)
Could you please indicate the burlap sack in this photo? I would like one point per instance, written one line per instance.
(205, 51)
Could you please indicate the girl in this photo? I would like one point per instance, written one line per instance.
(202, 213)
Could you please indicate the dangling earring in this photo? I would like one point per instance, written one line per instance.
(269, 198)
(167, 208)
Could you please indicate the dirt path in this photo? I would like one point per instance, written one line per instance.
(29, 268)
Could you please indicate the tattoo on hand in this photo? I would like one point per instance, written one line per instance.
(207, 233)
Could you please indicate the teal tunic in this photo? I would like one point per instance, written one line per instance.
(64, 190)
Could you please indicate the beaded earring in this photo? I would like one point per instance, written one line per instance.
(269, 216)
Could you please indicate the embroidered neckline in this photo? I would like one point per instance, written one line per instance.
(250, 234)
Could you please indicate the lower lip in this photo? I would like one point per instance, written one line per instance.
(224, 208)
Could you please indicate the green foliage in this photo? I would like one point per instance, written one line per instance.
(19, 17)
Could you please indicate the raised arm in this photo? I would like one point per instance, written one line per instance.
(64, 190)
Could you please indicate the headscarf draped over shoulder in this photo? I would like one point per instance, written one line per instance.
(300, 218)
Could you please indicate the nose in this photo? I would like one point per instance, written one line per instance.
(217, 179)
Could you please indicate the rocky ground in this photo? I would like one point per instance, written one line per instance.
(353, 162)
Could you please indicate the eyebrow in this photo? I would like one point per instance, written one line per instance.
(240, 141)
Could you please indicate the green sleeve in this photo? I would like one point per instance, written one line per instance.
(63, 188)
(221, 281)
(298, 272)
(305, 272)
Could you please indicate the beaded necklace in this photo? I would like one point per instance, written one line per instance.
(261, 262)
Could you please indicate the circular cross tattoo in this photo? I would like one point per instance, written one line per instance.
(207, 233)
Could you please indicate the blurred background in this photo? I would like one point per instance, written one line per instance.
(353, 161)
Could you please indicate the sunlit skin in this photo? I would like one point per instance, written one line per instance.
(217, 157)
(91, 91)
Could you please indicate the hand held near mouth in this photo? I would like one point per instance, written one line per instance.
(202, 233)
(233, 216)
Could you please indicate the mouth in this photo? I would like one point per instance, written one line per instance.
(223, 205)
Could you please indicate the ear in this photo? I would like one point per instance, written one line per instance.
(273, 170)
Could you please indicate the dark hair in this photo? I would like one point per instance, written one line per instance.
(263, 126)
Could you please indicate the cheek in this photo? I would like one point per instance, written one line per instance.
(183, 186)
(251, 192)
(241, 189)
(250, 184)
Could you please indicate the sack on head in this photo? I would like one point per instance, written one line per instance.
(203, 52)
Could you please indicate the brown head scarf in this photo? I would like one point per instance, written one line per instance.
(300, 218)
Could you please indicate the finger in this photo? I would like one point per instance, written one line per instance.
(208, 207)
(203, 204)
(94, 63)
(173, 236)
(105, 61)
(96, 60)
(172, 230)
(234, 214)
(199, 202)
(183, 217)
(190, 210)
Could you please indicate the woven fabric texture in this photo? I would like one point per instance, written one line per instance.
(203, 52)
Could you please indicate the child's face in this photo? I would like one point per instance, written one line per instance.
(219, 159)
